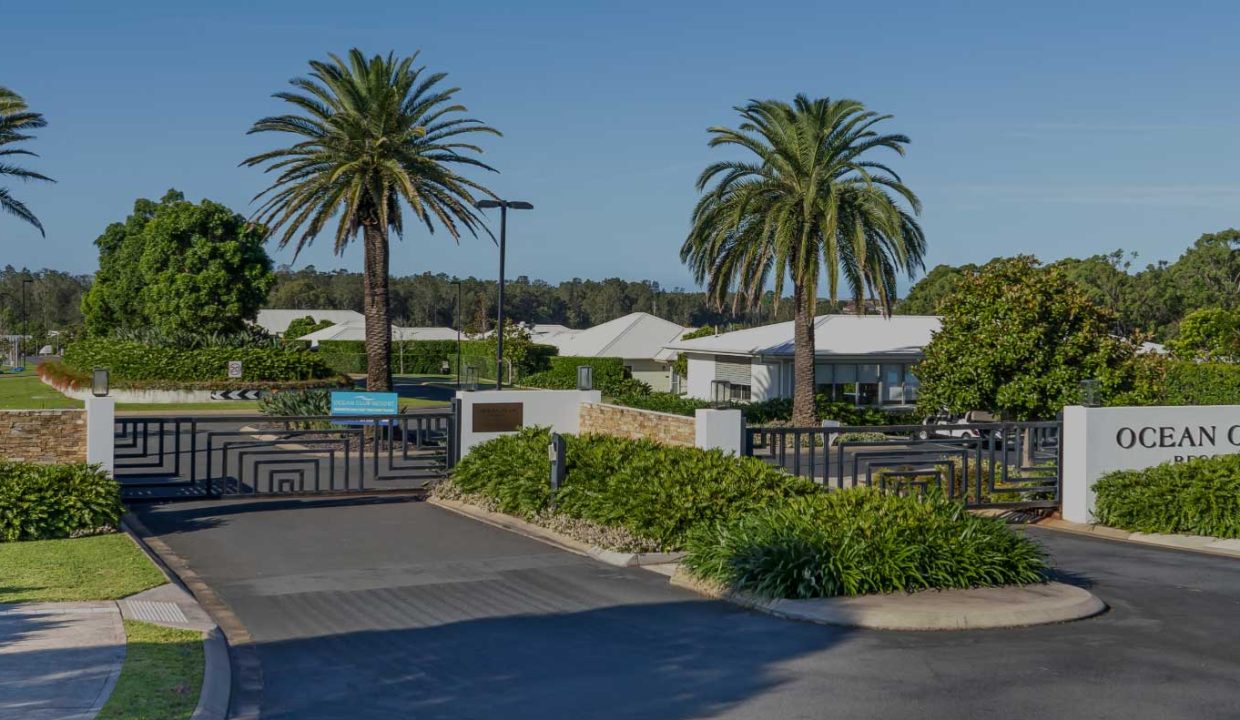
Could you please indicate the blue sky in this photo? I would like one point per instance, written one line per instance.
(1048, 128)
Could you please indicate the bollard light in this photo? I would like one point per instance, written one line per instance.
(99, 382)
(585, 377)
(471, 377)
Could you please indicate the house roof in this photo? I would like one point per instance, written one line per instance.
(833, 335)
(637, 335)
(357, 331)
(277, 321)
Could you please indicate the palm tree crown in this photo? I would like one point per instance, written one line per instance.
(806, 199)
(16, 121)
(375, 134)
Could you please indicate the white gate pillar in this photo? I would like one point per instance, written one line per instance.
(100, 432)
(719, 429)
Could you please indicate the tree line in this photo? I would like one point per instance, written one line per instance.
(1152, 300)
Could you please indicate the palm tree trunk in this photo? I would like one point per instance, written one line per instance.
(804, 413)
(376, 308)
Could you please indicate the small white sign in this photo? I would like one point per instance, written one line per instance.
(234, 368)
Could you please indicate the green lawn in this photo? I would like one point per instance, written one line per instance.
(161, 677)
(27, 392)
(101, 567)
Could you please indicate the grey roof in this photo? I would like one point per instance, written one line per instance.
(833, 335)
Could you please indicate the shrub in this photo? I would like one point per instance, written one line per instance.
(654, 491)
(427, 357)
(132, 360)
(62, 377)
(661, 402)
(296, 402)
(1198, 497)
(45, 502)
(561, 374)
(859, 541)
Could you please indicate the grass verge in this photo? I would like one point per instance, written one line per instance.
(161, 677)
(27, 392)
(100, 567)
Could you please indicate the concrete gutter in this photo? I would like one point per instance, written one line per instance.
(530, 530)
(972, 609)
(201, 609)
(1194, 543)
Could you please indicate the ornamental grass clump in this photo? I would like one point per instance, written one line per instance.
(861, 541)
(1198, 497)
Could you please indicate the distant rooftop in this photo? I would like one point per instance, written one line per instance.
(637, 335)
(277, 321)
(833, 335)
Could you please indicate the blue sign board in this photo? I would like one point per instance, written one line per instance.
(364, 403)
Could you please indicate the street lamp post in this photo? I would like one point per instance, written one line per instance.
(25, 319)
(457, 283)
(504, 206)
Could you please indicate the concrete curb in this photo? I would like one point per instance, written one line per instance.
(973, 609)
(1205, 544)
(239, 655)
(536, 532)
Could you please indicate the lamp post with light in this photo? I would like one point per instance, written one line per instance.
(504, 206)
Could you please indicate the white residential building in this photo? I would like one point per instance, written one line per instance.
(277, 321)
(863, 359)
(639, 338)
(356, 330)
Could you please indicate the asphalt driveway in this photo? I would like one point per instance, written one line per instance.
(367, 609)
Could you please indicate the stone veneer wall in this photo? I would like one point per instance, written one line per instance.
(627, 422)
(43, 436)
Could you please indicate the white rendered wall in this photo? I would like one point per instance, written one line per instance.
(719, 429)
(658, 375)
(764, 381)
(701, 374)
(1099, 440)
(559, 410)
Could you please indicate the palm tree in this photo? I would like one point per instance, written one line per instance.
(805, 199)
(16, 121)
(374, 135)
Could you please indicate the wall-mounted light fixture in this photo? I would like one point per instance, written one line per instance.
(585, 377)
(99, 382)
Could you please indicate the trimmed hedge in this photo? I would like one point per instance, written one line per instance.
(860, 541)
(63, 377)
(656, 492)
(426, 357)
(46, 502)
(129, 360)
(1190, 383)
(562, 373)
(1198, 497)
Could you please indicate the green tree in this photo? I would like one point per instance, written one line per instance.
(301, 327)
(371, 133)
(927, 295)
(1208, 273)
(1208, 334)
(806, 199)
(16, 122)
(178, 267)
(1017, 340)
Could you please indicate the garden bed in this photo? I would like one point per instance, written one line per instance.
(742, 524)
(1199, 497)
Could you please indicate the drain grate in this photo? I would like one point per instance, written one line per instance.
(157, 612)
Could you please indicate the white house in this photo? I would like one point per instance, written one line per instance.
(863, 359)
(639, 338)
(356, 330)
(277, 321)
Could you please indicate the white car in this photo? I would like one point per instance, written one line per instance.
(945, 425)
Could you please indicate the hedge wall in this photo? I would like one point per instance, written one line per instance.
(426, 357)
(562, 373)
(1190, 383)
(128, 360)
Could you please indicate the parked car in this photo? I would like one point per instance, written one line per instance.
(946, 425)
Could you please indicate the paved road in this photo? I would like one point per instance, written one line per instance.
(368, 610)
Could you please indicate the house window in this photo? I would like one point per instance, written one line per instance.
(893, 384)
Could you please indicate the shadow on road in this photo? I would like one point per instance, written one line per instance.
(662, 661)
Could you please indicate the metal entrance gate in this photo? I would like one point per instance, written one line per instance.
(160, 458)
(1004, 464)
